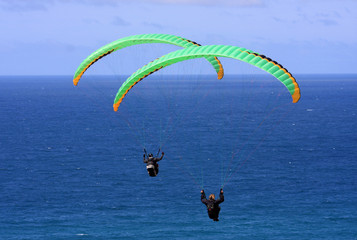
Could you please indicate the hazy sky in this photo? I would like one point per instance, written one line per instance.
(41, 37)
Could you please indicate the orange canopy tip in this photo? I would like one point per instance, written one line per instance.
(296, 96)
(76, 79)
(115, 106)
(220, 73)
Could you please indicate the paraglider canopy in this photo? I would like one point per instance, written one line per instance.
(141, 39)
(242, 54)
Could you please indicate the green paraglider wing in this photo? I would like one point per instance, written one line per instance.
(238, 53)
(141, 39)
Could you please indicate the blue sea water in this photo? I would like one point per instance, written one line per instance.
(71, 168)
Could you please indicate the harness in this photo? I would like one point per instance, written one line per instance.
(210, 207)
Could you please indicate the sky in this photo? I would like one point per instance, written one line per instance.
(52, 37)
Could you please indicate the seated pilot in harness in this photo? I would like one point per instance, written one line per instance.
(212, 204)
(151, 163)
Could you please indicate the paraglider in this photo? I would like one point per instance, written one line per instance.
(143, 39)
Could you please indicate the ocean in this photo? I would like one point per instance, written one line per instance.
(72, 168)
